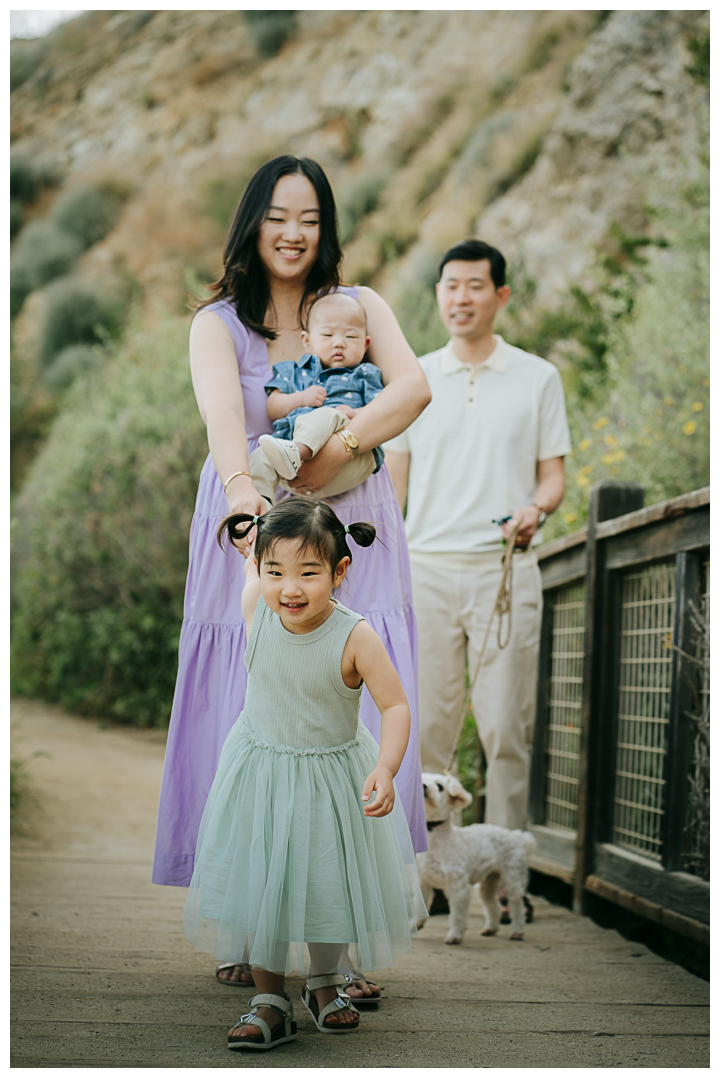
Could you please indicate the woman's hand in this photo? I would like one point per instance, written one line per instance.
(244, 499)
(317, 473)
(380, 781)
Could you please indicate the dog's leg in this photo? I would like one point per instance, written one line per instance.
(517, 914)
(488, 895)
(458, 894)
(428, 893)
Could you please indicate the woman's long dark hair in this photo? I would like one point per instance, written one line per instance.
(244, 279)
(310, 521)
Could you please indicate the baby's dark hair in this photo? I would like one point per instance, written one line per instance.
(313, 522)
(336, 296)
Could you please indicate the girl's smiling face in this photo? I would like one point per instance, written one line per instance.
(297, 585)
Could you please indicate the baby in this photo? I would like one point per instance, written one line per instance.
(314, 398)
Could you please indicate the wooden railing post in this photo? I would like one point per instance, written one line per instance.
(608, 499)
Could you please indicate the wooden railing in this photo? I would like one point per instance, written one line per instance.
(618, 682)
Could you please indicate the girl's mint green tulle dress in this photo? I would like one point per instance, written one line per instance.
(285, 854)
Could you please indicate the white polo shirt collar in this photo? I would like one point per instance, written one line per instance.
(496, 361)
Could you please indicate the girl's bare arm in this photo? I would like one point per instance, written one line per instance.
(251, 592)
(366, 658)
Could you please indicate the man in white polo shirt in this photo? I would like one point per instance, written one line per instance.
(490, 445)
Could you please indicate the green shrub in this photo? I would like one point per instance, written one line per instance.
(21, 285)
(357, 200)
(72, 362)
(88, 214)
(417, 312)
(100, 536)
(699, 48)
(16, 217)
(74, 314)
(270, 30)
(24, 178)
(637, 382)
(42, 252)
(25, 59)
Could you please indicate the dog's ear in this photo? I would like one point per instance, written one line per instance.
(457, 792)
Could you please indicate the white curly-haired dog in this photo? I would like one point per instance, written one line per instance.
(458, 858)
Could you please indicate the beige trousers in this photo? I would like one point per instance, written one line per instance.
(453, 608)
(313, 429)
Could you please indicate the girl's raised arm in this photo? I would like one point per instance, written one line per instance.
(251, 592)
(367, 657)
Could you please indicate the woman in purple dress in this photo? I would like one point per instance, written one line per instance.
(281, 250)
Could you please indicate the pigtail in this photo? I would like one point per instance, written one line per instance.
(362, 533)
(230, 525)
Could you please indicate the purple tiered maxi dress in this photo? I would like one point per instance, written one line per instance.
(210, 688)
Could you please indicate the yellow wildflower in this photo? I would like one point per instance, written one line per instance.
(668, 401)
(582, 480)
(690, 427)
(585, 443)
(569, 518)
(619, 455)
(600, 423)
(697, 406)
(610, 440)
(607, 459)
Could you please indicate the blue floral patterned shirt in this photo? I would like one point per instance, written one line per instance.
(355, 387)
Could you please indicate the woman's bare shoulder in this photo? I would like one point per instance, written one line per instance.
(368, 296)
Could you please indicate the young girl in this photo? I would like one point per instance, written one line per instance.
(298, 844)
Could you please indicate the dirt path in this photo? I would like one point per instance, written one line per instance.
(103, 977)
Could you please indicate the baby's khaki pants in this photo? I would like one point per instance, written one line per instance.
(453, 608)
(313, 429)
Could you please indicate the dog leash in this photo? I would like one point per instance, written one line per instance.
(501, 607)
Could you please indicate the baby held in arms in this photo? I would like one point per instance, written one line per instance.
(314, 398)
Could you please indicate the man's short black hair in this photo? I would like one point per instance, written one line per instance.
(474, 251)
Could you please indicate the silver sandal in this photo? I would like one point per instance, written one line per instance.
(367, 999)
(342, 1001)
(240, 983)
(283, 1032)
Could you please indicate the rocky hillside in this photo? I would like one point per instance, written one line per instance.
(537, 129)
(575, 141)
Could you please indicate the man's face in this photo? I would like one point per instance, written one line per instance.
(467, 298)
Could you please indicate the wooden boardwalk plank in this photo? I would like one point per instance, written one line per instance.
(103, 977)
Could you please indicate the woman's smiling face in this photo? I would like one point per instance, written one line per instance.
(289, 237)
(297, 585)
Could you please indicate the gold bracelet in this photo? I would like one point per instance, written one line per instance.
(240, 472)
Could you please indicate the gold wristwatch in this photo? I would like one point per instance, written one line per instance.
(351, 442)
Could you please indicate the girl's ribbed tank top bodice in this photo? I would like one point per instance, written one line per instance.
(296, 698)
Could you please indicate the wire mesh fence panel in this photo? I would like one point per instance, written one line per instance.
(647, 607)
(697, 820)
(562, 734)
